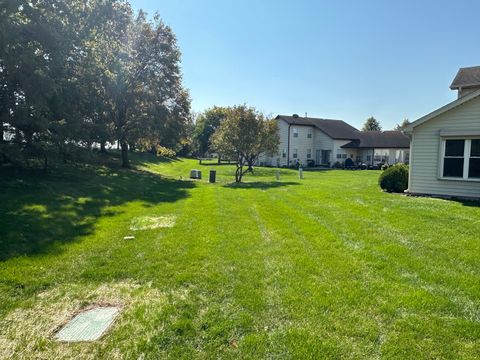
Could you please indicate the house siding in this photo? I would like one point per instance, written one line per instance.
(337, 149)
(425, 152)
(322, 142)
(277, 159)
(302, 143)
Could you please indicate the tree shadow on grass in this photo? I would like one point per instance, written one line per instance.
(40, 211)
(260, 184)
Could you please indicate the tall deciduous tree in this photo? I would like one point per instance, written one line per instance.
(82, 71)
(244, 135)
(205, 126)
(145, 93)
(371, 124)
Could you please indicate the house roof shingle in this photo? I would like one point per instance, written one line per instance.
(379, 140)
(466, 77)
(336, 129)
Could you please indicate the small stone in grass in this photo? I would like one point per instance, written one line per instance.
(130, 237)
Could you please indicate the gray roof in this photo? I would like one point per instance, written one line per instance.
(379, 140)
(467, 77)
(336, 129)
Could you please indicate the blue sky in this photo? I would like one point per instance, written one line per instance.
(338, 59)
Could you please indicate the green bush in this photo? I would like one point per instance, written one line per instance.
(165, 152)
(395, 178)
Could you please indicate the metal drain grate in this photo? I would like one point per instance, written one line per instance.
(88, 325)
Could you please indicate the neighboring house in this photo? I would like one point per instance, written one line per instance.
(445, 146)
(326, 142)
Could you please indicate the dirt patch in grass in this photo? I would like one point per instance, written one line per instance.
(152, 222)
(30, 329)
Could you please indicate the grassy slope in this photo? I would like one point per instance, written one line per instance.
(327, 266)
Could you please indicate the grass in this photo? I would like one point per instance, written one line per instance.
(324, 267)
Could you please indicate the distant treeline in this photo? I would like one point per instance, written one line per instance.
(78, 73)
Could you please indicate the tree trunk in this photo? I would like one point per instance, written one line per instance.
(125, 162)
(239, 174)
(103, 148)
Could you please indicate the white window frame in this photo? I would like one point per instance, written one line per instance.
(466, 158)
(309, 153)
(295, 132)
(295, 154)
(309, 134)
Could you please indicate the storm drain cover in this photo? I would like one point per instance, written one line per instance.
(88, 325)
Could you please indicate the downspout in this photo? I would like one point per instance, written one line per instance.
(288, 146)
(409, 188)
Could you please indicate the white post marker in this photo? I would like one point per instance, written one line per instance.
(300, 172)
(277, 175)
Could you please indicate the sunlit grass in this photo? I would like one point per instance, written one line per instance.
(324, 267)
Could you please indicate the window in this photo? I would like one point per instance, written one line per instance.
(341, 156)
(381, 156)
(461, 158)
(309, 135)
(284, 153)
(474, 161)
(295, 153)
(309, 153)
(453, 159)
(295, 132)
(369, 157)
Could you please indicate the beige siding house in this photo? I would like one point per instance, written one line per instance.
(326, 142)
(445, 144)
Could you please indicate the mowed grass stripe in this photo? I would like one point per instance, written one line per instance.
(321, 284)
(387, 261)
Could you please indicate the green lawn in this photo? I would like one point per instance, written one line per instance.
(324, 267)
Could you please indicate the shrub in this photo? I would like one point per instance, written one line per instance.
(165, 152)
(395, 178)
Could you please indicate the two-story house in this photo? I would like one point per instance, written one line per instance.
(325, 142)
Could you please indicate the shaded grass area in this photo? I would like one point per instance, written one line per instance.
(324, 267)
(43, 210)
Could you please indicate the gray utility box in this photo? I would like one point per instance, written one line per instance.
(213, 174)
(195, 174)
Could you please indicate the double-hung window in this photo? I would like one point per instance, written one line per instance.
(295, 132)
(461, 158)
(474, 160)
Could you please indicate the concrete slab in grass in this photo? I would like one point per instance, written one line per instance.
(89, 325)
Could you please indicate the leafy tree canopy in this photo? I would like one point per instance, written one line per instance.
(77, 72)
(205, 126)
(244, 135)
